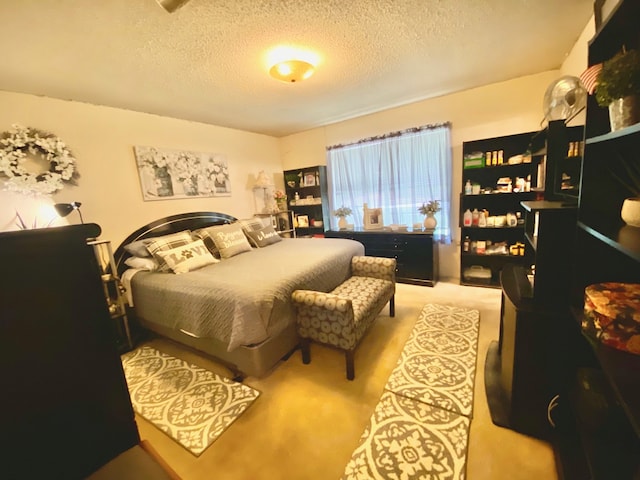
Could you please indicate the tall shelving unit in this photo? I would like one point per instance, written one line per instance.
(308, 199)
(598, 431)
(498, 204)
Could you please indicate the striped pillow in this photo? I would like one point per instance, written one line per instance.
(188, 257)
(167, 242)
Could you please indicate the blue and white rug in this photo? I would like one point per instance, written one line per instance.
(420, 427)
(190, 404)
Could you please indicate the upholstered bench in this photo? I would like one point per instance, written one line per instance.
(341, 317)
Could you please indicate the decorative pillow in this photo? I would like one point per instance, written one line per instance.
(253, 224)
(263, 237)
(207, 237)
(167, 242)
(229, 239)
(138, 248)
(146, 263)
(188, 257)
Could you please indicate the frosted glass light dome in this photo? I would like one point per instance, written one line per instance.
(564, 98)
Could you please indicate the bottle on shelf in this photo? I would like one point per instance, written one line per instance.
(475, 216)
(467, 188)
(466, 244)
(482, 220)
(467, 218)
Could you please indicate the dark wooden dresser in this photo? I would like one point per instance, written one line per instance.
(65, 406)
(416, 253)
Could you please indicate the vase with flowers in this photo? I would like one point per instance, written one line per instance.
(281, 200)
(342, 213)
(429, 210)
(618, 88)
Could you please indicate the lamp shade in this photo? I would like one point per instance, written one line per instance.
(263, 180)
(64, 209)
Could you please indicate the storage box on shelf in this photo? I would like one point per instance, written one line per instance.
(306, 190)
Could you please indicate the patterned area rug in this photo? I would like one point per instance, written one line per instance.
(420, 427)
(190, 404)
(438, 363)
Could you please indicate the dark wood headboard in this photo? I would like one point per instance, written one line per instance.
(167, 225)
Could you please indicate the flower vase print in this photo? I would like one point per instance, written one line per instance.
(171, 174)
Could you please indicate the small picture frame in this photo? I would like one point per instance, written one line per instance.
(309, 180)
(373, 219)
(303, 221)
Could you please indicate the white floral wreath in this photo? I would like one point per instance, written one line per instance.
(19, 141)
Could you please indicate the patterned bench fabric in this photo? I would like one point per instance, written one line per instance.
(374, 267)
(341, 317)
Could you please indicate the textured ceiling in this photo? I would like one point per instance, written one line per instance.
(206, 62)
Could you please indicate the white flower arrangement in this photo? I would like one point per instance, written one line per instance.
(433, 206)
(342, 212)
(20, 141)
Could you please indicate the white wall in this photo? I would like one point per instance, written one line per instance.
(102, 141)
(490, 111)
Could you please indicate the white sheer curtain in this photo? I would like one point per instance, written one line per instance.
(398, 174)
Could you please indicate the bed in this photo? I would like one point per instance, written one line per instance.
(239, 309)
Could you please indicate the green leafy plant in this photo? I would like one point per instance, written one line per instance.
(433, 206)
(632, 180)
(342, 212)
(619, 77)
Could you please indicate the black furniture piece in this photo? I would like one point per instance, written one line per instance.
(525, 370)
(416, 253)
(598, 431)
(485, 178)
(66, 410)
(307, 196)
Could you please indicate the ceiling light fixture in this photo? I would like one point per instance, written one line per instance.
(292, 71)
(291, 64)
(171, 5)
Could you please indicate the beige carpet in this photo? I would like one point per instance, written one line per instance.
(308, 419)
(420, 427)
(192, 405)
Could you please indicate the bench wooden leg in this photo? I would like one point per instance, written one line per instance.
(350, 366)
(305, 349)
(392, 306)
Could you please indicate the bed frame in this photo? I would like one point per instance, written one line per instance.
(254, 360)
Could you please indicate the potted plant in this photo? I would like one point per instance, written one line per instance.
(341, 213)
(429, 209)
(618, 88)
(281, 200)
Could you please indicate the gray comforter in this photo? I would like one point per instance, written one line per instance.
(246, 298)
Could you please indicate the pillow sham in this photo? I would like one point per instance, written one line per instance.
(207, 237)
(138, 248)
(229, 239)
(186, 258)
(167, 242)
(263, 237)
(142, 263)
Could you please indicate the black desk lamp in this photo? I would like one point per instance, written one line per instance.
(64, 209)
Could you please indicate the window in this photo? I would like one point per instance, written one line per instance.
(397, 173)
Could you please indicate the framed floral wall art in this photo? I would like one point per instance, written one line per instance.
(171, 174)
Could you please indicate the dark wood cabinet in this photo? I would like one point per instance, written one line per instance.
(598, 433)
(416, 253)
(485, 190)
(66, 407)
(307, 197)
